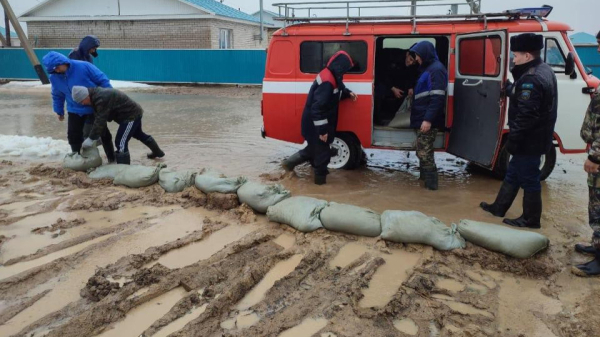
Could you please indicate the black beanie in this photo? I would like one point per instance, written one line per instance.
(527, 42)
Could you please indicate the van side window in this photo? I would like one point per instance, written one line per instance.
(553, 56)
(480, 56)
(315, 54)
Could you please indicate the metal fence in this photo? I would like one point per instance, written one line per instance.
(157, 65)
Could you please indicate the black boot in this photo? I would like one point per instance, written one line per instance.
(123, 158)
(589, 269)
(292, 161)
(504, 200)
(532, 211)
(431, 179)
(320, 180)
(583, 249)
(109, 150)
(153, 146)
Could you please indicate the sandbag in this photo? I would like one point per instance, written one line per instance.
(211, 181)
(107, 171)
(402, 118)
(173, 182)
(88, 159)
(301, 213)
(260, 197)
(351, 219)
(513, 242)
(138, 176)
(416, 227)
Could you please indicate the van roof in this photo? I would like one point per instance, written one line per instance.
(423, 27)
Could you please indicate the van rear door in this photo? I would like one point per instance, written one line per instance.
(478, 119)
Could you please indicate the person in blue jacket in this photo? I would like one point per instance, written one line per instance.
(64, 74)
(428, 109)
(320, 116)
(88, 47)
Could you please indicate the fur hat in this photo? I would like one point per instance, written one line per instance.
(527, 42)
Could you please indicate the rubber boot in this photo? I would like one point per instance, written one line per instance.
(292, 161)
(504, 200)
(123, 158)
(320, 180)
(591, 268)
(153, 146)
(532, 211)
(431, 179)
(109, 150)
(583, 249)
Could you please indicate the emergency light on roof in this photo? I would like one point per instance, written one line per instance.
(533, 11)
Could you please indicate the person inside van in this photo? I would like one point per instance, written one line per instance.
(590, 133)
(531, 119)
(320, 116)
(395, 78)
(428, 109)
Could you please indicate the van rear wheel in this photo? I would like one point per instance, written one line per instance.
(348, 152)
(547, 165)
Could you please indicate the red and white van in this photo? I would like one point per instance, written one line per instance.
(475, 49)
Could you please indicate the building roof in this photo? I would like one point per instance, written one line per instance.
(268, 12)
(582, 38)
(12, 32)
(218, 8)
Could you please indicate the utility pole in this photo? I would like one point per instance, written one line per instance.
(261, 21)
(24, 42)
(7, 30)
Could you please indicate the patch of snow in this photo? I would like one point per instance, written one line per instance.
(33, 147)
(39, 85)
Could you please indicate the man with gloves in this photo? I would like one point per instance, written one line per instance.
(531, 118)
(113, 105)
(64, 74)
(320, 116)
(428, 110)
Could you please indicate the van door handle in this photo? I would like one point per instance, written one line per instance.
(467, 84)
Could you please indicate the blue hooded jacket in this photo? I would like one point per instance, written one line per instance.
(78, 73)
(82, 53)
(430, 91)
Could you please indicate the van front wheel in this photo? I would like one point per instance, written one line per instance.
(347, 152)
(547, 165)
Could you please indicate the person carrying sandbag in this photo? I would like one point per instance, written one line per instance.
(113, 105)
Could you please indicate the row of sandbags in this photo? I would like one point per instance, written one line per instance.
(308, 214)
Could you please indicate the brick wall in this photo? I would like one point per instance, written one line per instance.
(143, 34)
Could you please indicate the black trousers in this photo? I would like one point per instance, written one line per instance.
(318, 153)
(75, 134)
(127, 131)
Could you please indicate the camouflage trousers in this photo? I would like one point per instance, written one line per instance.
(594, 207)
(425, 148)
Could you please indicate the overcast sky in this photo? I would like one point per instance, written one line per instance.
(581, 15)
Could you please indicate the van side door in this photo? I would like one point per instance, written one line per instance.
(478, 119)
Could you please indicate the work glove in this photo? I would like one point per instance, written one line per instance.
(508, 88)
(87, 143)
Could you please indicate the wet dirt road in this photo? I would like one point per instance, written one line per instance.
(469, 294)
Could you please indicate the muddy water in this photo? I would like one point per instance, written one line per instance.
(142, 317)
(407, 326)
(179, 323)
(285, 240)
(67, 289)
(307, 328)
(279, 271)
(205, 248)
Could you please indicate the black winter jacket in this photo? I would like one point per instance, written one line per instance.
(111, 105)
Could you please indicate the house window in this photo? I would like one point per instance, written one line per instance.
(225, 39)
(314, 55)
(480, 56)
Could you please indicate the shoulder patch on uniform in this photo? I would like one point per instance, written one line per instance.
(527, 86)
(525, 95)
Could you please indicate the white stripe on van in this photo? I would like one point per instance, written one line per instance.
(270, 87)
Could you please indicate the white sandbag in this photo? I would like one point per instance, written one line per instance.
(416, 227)
(173, 182)
(351, 219)
(402, 118)
(138, 176)
(107, 171)
(260, 197)
(513, 242)
(301, 213)
(88, 159)
(211, 181)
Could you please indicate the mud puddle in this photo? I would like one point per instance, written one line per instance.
(307, 328)
(181, 322)
(142, 317)
(203, 249)
(406, 326)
